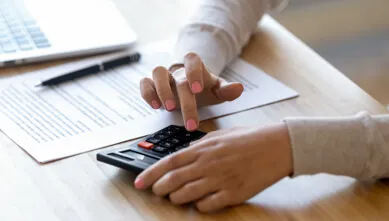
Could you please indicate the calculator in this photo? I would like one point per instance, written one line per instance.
(144, 152)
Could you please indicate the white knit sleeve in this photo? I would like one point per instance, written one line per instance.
(219, 29)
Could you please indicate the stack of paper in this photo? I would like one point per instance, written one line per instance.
(106, 109)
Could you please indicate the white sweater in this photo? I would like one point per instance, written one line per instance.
(356, 146)
(219, 29)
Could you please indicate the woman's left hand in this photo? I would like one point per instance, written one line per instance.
(225, 168)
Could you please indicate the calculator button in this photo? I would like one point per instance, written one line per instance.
(175, 128)
(160, 149)
(169, 132)
(153, 140)
(189, 135)
(166, 144)
(145, 145)
(161, 136)
(174, 140)
(185, 145)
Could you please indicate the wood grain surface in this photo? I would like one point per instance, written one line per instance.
(80, 188)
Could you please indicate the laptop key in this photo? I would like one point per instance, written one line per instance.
(21, 40)
(9, 48)
(25, 47)
(41, 43)
(37, 35)
(47, 45)
(19, 35)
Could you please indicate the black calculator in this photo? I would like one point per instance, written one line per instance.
(144, 152)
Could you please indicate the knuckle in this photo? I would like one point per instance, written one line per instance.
(174, 199)
(157, 71)
(187, 108)
(174, 177)
(213, 133)
(232, 201)
(144, 81)
(225, 199)
(205, 207)
(164, 91)
(156, 190)
(147, 93)
(213, 142)
(191, 55)
(174, 161)
(193, 191)
(201, 207)
(233, 178)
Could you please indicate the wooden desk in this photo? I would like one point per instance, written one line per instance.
(80, 188)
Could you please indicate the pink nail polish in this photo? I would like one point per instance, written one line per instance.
(139, 184)
(170, 105)
(155, 104)
(191, 125)
(196, 87)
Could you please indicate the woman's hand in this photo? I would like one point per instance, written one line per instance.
(188, 87)
(224, 168)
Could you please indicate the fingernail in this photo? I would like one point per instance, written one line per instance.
(139, 184)
(191, 125)
(196, 87)
(155, 104)
(170, 105)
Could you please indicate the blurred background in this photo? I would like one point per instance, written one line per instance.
(353, 35)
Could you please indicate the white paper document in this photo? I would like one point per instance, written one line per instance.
(105, 109)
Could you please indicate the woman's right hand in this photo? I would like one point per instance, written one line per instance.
(187, 87)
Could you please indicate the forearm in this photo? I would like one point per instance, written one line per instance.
(355, 146)
(219, 30)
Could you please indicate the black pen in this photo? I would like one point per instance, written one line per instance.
(94, 69)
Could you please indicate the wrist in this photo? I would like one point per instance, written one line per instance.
(276, 137)
(285, 146)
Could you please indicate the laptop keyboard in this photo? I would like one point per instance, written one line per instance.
(18, 29)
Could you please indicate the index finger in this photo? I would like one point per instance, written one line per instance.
(194, 72)
(152, 174)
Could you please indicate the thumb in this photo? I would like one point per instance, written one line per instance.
(229, 91)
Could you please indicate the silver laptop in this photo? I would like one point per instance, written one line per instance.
(40, 30)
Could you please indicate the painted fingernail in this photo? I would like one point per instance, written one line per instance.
(191, 125)
(170, 105)
(196, 87)
(139, 184)
(155, 104)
